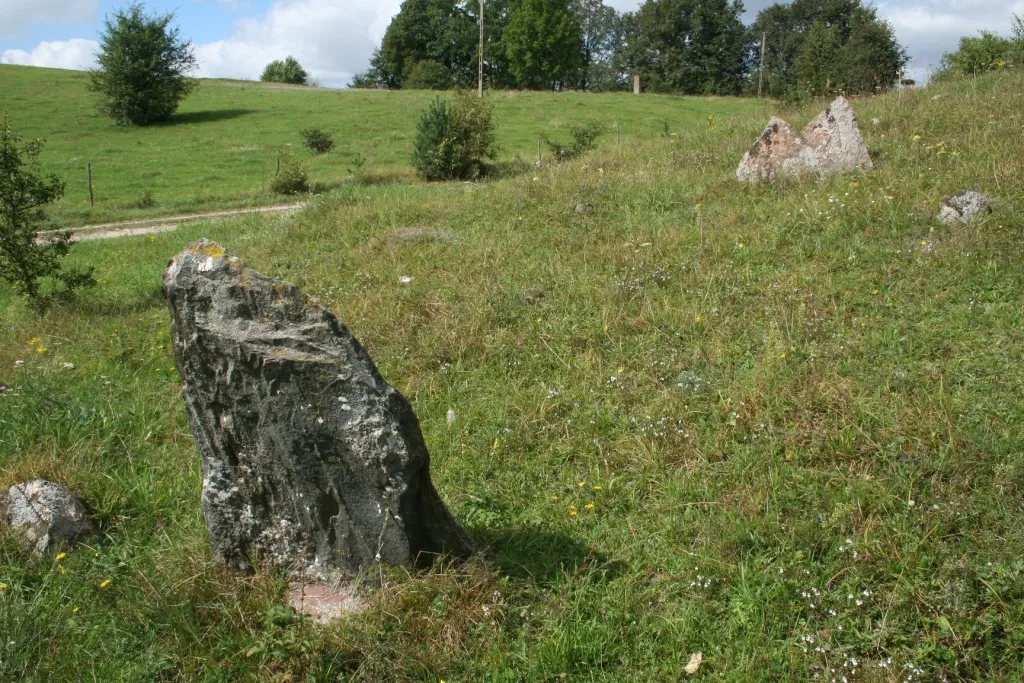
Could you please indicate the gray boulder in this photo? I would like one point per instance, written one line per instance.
(964, 208)
(43, 515)
(311, 461)
(831, 143)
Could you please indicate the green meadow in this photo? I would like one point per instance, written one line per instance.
(220, 149)
(780, 426)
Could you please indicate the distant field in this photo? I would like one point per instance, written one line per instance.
(221, 148)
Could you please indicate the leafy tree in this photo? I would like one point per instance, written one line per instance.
(600, 38)
(427, 75)
(879, 57)
(441, 31)
(287, 70)
(143, 67)
(818, 64)
(986, 52)
(24, 192)
(687, 46)
(542, 42)
(454, 142)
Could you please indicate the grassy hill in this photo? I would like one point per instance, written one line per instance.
(220, 150)
(796, 411)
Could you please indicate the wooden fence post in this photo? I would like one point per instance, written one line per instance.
(91, 199)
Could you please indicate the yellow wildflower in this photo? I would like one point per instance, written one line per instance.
(3, 586)
(75, 610)
(589, 506)
(42, 349)
(61, 556)
(917, 137)
(597, 488)
(104, 583)
(572, 513)
(582, 484)
(33, 341)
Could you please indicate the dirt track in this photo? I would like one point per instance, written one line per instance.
(149, 226)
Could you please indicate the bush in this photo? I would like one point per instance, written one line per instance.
(146, 200)
(453, 143)
(24, 192)
(317, 141)
(285, 71)
(426, 75)
(143, 68)
(583, 136)
(291, 178)
(976, 56)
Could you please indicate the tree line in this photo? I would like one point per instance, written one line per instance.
(698, 47)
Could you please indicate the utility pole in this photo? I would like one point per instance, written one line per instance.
(480, 65)
(760, 75)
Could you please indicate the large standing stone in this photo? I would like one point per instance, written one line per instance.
(831, 143)
(42, 514)
(964, 208)
(311, 461)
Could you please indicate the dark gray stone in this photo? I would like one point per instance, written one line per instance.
(42, 515)
(311, 461)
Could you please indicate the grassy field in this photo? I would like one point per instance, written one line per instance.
(220, 150)
(781, 425)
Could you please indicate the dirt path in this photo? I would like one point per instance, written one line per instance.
(149, 226)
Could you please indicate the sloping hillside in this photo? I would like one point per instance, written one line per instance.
(779, 425)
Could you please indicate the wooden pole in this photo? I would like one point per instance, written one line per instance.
(760, 75)
(91, 198)
(636, 85)
(538, 153)
(480, 60)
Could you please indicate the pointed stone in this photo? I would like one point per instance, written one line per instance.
(777, 144)
(311, 461)
(834, 141)
(831, 143)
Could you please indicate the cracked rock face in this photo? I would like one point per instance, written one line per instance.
(42, 515)
(964, 208)
(311, 461)
(831, 143)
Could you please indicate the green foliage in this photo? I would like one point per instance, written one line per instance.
(819, 62)
(24, 194)
(601, 36)
(583, 135)
(975, 56)
(292, 178)
(693, 47)
(145, 200)
(427, 75)
(285, 71)
(143, 67)
(454, 142)
(869, 58)
(316, 140)
(542, 42)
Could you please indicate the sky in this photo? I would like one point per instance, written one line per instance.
(334, 39)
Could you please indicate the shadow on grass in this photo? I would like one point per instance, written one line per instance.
(207, 116)
(540, 556)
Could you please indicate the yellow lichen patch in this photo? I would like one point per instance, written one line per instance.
(211, 250)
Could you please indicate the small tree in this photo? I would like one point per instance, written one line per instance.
(24, 192)
(427, 75)
(818, 66)
(143, 68)
(285, 71)
(976, 56)
(454, 142)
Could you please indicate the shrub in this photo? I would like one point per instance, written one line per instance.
(143, 68)
(146, 200)
(426, 75)
(287, 70)
(454, 142)
(976, 56)
(583, 135)
(317, 141)
(24, 191)
(291, 178)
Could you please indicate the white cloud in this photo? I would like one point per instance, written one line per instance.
(332, 39)
(77, 53)
(16, 15)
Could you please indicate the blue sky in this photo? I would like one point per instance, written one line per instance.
(334, 38)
